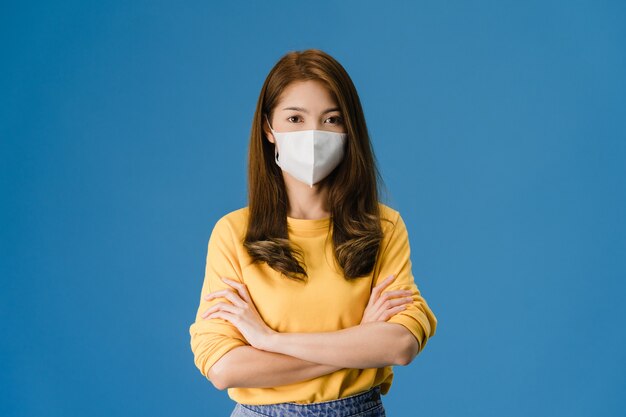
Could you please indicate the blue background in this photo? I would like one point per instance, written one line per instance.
(499, 129)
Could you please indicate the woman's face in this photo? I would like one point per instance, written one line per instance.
(305, 105)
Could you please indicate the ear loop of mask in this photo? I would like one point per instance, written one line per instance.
(275, 145)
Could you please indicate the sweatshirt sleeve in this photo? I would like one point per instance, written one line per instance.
(213, 338)
(418, 318)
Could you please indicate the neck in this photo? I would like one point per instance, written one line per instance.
(306, 202)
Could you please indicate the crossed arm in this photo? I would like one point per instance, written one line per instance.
(260, 357)
(294, 357)
(280, 358)
(249, 367)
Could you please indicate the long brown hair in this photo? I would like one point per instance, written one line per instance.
(352, 186)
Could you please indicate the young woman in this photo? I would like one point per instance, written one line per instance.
(308, 297)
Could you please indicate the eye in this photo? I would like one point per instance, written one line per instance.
(337, 120)
(293, 117)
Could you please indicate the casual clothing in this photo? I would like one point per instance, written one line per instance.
(327, 302)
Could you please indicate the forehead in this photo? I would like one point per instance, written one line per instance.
(310, 94)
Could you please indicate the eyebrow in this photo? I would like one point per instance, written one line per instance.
(306, 111)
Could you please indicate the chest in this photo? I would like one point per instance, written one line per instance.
(325, 302)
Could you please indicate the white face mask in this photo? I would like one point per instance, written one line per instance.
(309, 155)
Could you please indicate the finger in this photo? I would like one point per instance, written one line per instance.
(376, 291)
(223, 315)
(240, 287)
(398, 301)
(384, 284)
(388, 295)
(229, 295)
(221, 307)
(388, 304)
(378, 288)
(389, 313)
(398, 293)
(216, 294)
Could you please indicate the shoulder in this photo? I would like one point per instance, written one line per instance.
(232, 223)
(394, 248)
(393, 226)
(389, 217)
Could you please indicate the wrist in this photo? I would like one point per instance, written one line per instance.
(272, 342)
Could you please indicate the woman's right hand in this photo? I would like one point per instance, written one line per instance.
(382, 307)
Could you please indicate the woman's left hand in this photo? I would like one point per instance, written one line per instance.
(241, 313)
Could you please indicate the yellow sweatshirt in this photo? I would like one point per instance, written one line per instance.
(327, 302)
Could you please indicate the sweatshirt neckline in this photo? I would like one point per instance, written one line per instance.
(308, 224)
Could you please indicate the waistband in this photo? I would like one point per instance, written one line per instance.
(342, 407)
